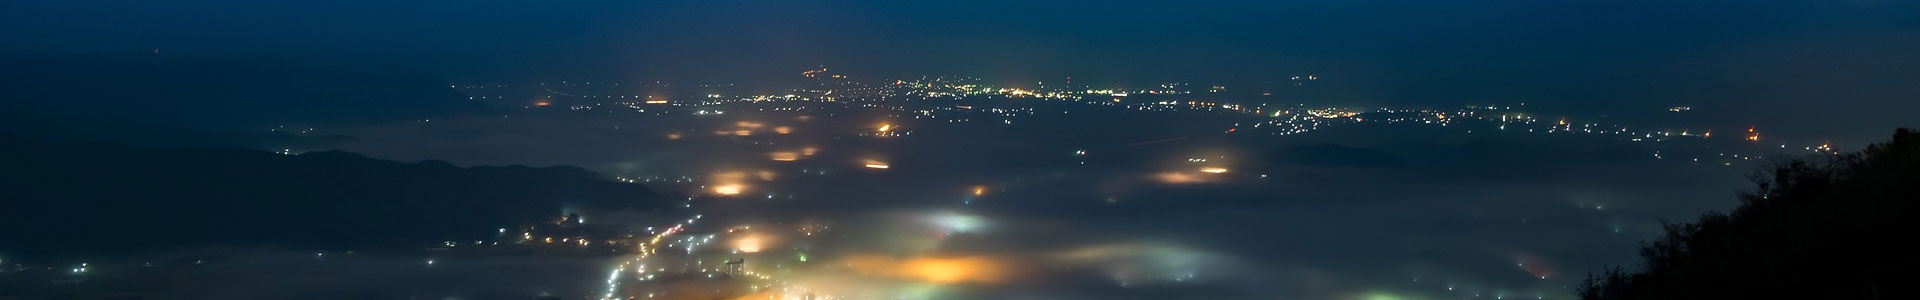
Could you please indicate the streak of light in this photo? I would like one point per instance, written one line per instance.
(785, 156)
(937, 270)
(1177, 178)
(729, 189)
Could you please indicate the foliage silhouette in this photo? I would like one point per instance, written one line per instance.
(1840, 227)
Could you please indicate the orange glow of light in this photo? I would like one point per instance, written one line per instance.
(743, 132)
(729, 189)
(660, 101)
(939, 270)
(747, 244)
(877, 165)
(885, 127)
(979, 191)
(785, 156)
(765, 175)
(673, 136)
(766, 294)
(1177, 178)
(542, 103)
(1214, 170)
(952, 270)
(808, 151)
(783, 130)
(745, 124)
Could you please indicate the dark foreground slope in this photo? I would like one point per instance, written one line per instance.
(65, 199)
(1840, 228)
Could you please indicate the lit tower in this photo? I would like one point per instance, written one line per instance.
(736, 267)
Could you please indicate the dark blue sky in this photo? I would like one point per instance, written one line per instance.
(1819, 61)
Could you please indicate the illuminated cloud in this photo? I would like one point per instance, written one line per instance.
(938, 270)
(1178, 178)
(728, 189)
(749, 243)
(952, 222)
(784, 156)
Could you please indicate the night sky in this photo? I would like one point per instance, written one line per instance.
(1440, 150)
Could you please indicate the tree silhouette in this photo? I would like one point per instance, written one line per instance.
(1840, 227)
